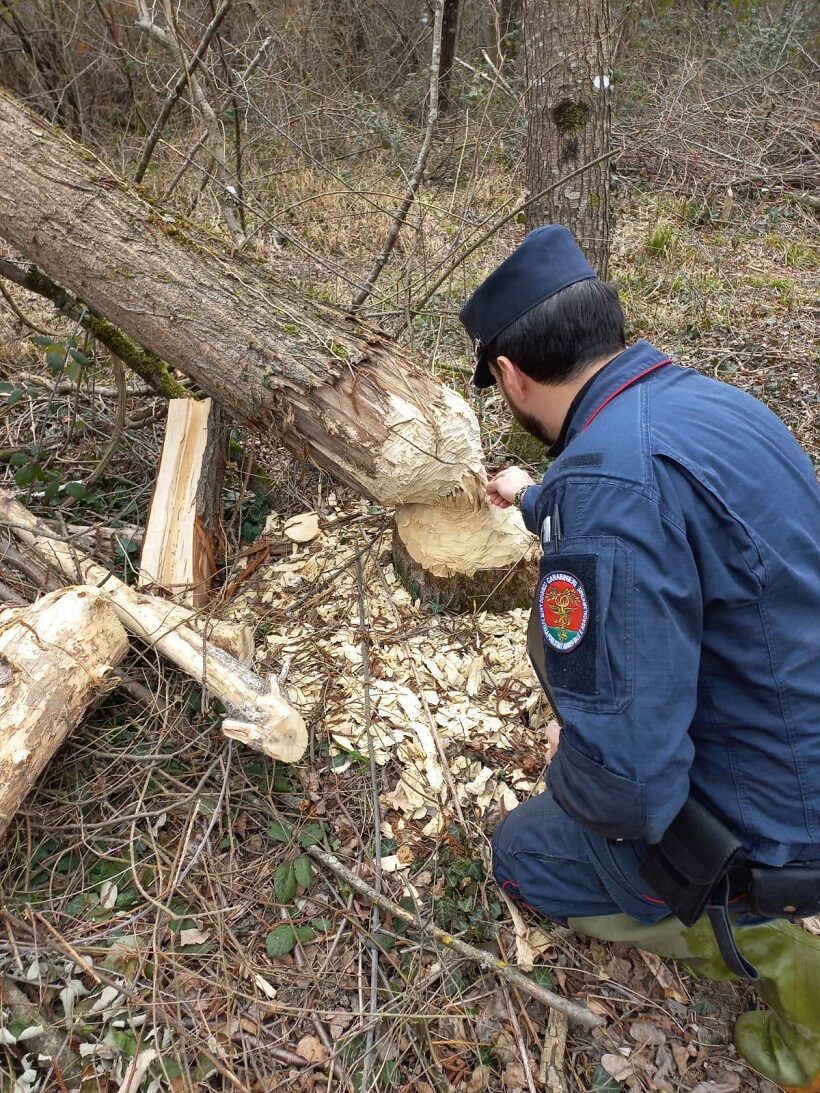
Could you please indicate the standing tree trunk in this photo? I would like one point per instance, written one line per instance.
(333, 389)
(449, 34)
(567, 52)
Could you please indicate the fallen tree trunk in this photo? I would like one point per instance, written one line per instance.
(54, 658)
(333, 389)
(258, 715)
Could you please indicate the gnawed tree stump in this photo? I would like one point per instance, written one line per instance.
(332, 389)
(464, 563)
(54, 659)
(271, 725)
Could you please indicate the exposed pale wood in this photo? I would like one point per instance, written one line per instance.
(54, 657)
(334, 390)
(465, 560)
(250, 699)
(178, 553)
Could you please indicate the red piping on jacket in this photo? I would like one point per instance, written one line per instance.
(622, 388)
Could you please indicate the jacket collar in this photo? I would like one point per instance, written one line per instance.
(603, 385)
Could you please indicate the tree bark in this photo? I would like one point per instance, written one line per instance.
(330, 387)
(255, 705)
(54, 657)
(449, 35)
(567, 54)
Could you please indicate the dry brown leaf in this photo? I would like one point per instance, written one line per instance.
(682, 1057)
(311, 1049)
(646, 1032)
(479, 1080)
(617, 1067)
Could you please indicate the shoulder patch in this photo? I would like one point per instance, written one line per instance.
(563, 610)
(587, 459)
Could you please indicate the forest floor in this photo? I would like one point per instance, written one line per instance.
(157, 898)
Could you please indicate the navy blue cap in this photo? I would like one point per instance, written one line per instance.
(548, 260)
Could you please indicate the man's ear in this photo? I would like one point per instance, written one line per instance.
(515, 381)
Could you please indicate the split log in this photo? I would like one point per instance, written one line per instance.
(331, 388)
(256, 706)
(178, 553)
(54, 658)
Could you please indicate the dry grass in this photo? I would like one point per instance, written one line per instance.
(150, 824)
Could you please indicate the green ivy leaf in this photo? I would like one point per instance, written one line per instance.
(19, 459)
(78, 356)
(603, 1082)
(55, 361)
(74, 371)
(125, 1041)
(280, 941)
(279, 831)
(312, 834)
(76, 490)
(542, 977)
(305, 934)
(284, 882)
(303, 871)
(321, 924)
(44, 341)
(25, 475)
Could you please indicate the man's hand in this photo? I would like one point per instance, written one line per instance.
(553, 734)
(502, 488)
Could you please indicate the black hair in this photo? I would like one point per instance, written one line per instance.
(559, 337)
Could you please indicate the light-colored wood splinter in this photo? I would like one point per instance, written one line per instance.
(54, 659)
(271, 725)
(178, 550)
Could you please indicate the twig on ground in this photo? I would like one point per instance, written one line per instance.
(573, 1010)
(116, 433)
(377, 827)
(519, 1039)
(47, 1042)
(321, 1031)
(23, 319)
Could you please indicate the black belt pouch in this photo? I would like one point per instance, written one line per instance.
(689, 861)
(791, 891)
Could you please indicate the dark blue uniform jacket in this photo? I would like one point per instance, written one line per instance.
(690, 529)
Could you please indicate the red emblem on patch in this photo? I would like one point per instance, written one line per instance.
(563, 608)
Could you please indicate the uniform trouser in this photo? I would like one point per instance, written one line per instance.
(546, 861)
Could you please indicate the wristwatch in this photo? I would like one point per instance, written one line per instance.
(519, 495)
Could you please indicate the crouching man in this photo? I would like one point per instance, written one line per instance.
(676, 632)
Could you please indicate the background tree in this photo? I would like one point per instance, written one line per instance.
(449, 34)
(567, 53)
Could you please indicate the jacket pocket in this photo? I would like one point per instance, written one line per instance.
(598, 675)
(604, 802)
